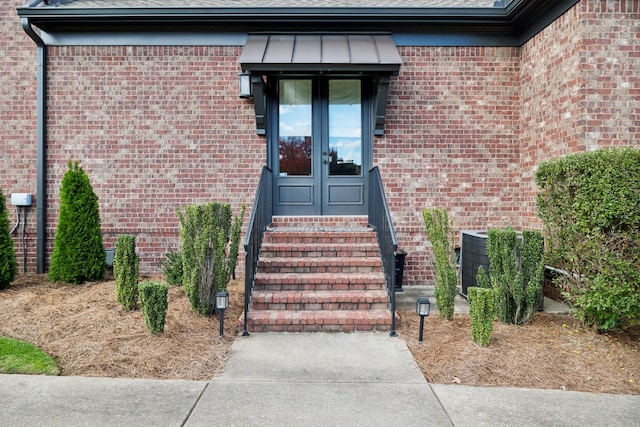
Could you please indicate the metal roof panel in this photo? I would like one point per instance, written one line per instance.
(320, 52)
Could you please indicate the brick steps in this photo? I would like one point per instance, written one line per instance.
(319, 264)
(319, 281)
(319, 300)
(319, 320)
(319, 274)
(315, 249)
(321, 236)
(321, 221)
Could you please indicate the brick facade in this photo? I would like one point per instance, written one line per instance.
(157, 128)
(451, 141)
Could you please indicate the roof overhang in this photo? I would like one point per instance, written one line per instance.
(517, 19)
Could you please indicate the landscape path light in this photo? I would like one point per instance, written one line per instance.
(423, 307)
(222, 302)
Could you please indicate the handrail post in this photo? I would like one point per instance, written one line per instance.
(380, 219)
(261, 217)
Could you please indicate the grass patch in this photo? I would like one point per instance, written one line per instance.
(19, 357)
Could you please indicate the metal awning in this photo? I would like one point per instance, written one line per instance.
(373, 54)
(326, 53)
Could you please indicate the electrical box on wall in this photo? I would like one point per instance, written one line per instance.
(21, 199)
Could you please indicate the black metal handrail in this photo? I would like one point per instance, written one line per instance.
(380, 219)
(261, 217)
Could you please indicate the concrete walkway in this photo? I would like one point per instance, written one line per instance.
(303, 380)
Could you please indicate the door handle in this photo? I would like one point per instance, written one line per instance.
(325, 161)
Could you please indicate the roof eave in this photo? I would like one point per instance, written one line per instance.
(520, 18)
(451, 16)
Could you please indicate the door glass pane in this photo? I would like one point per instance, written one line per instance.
(345, 127)
(294, 129)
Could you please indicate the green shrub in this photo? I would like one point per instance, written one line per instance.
(440, 232)
(482, 310)
(8, 263)
(516, 273)
(532, 260)
(78, 253)
(590, 206)
(154, 304)
(172, 268)
(482, 278)
(125, 269)
(208, 252)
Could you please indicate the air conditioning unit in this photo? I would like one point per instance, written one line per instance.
(473, 254)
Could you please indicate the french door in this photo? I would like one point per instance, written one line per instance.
(321, 146)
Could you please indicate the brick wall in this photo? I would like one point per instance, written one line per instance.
(451, 141)
(17, 120)
(156, 129)
(552, 90)
(580, 87)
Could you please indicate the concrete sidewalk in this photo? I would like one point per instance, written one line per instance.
(303, 380)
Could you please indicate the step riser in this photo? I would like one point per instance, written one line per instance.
(318, 321)
(318, 252)
(316, 306)
(317, 287)
(320, 221)
(327, 239)
(336, 269)
(320, 265)
(324, 282)
(317, 328)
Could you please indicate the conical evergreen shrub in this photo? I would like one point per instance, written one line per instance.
(78, 252)
(8, 263)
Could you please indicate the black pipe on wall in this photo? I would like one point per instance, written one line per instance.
(41, 109)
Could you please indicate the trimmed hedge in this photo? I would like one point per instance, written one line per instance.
(154, 303)
(516, 273)
(482, 310)
(8, 263)
(125, 269)
(209, 252)
(78, 253)
(590, 206)
(439, 230)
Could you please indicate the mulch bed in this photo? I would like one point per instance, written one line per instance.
(89, 334)
(551, 352)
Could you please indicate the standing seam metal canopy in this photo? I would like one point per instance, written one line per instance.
(351, 53)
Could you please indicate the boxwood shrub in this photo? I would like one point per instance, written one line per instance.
(154, 303)
(440, 232)
(482, 310)
(590, 206)
(125, 269)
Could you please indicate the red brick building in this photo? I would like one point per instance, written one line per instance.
(455, 101)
